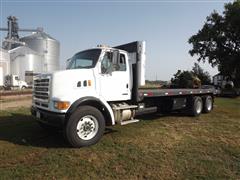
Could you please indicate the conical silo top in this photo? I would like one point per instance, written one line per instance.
(38, 35)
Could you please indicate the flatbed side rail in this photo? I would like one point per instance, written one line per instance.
(173, 92)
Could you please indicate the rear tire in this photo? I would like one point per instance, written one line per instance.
(85, 127)
(207, 104)
(195, 106)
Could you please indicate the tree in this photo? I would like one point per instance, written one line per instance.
(191, 79)
(182, 79)
(204, 76)
(218, 42)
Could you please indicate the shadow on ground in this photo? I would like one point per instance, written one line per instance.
(24, 130)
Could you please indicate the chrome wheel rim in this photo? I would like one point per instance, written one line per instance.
(209, 103)
(87, 127)
(199, 107)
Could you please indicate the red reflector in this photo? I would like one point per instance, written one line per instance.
(150, 94)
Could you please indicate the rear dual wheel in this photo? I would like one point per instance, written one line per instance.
(196, 106)
(208, 104)
(199, 105)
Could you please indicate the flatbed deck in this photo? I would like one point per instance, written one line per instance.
(174, 92)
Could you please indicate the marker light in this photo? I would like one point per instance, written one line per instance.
(89, 82)
(61, 105)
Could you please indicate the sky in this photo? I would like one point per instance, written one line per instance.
(165, 25)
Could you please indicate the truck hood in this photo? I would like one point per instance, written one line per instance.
(71, 81)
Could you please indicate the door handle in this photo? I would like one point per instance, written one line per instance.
(126, 85)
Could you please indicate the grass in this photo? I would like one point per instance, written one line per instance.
(169, 147)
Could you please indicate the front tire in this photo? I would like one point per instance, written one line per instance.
(85, 127)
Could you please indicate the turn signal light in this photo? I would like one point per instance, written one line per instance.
(89, 82)
(61, 105)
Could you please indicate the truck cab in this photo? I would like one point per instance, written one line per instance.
(101, 72)
(99, 78)
(13, 82)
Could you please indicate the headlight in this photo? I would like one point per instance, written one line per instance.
(61, 105)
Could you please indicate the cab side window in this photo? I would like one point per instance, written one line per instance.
(122, 63)
(106, 65)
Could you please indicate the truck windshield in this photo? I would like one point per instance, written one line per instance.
(85, 59)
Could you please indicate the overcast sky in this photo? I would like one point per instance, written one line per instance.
(165, 26)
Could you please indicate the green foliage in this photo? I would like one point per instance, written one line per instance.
(156, 83)
(204, 76)
(218, 42)
(183, 79)
(190, 79)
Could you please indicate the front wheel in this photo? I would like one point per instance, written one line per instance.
(85, 127)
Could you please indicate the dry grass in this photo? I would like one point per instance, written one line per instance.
(170, 147)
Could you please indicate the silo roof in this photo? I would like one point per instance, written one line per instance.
(4, 55)
(39, 35)
(3, 50)
(22, 50)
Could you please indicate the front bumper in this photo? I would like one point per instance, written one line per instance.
(48, 117)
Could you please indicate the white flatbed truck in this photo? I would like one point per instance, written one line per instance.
(101, 87)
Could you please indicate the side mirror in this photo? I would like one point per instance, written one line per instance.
(115, 60)
(115, 56)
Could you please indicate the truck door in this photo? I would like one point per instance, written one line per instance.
(15, 80)
(115, 76)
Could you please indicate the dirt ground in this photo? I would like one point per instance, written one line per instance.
(15, 103)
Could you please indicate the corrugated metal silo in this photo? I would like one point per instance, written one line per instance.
(4, 65)
(47, 46)
(25, 60)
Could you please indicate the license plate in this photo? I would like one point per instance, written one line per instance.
(38, 115)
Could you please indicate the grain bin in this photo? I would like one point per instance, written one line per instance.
(4, 65)
(25, 60)
(47, 46)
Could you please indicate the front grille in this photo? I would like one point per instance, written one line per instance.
(41, 91)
